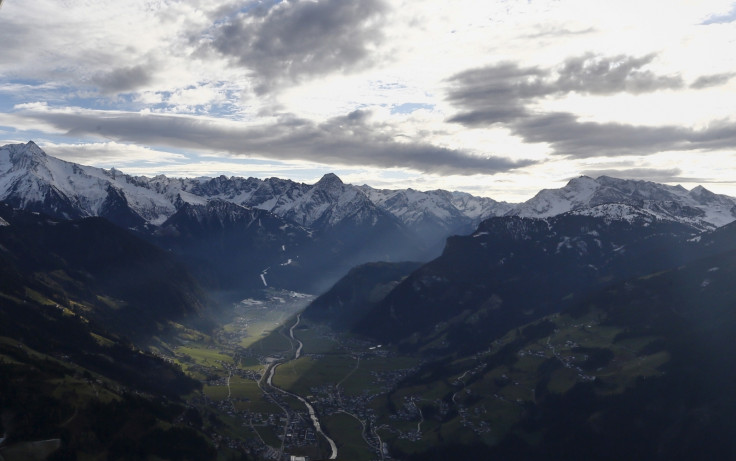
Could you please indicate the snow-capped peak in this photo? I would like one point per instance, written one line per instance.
(698, 207)
(33, 180)
(29, 149)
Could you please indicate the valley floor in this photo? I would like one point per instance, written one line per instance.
(283, 386)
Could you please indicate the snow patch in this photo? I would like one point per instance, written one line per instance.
(564, 243)
(251, 302)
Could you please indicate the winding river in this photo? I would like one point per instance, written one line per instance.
(310, 408)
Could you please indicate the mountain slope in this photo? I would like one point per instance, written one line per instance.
(128, 285)
(512, 270)
(72, 295)
(354, 295)
(635, 371)
(228, 245)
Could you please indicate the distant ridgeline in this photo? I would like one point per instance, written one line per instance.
(230, 230)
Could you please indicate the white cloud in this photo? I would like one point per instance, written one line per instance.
(109, 154)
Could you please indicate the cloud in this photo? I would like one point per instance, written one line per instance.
(352, 140)
(297, 40)
(662, 175)
(607, 75)
(109, 153)
(570, 137)
(547, 31)
(500, 92)
(124, 79)
(707, 81)
(494, 94)
(504, 94)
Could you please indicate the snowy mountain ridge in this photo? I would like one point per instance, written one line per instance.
(413, 206)
(30, 179)
(33, 180)
(698, 207)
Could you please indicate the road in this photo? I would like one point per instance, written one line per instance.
(270, 371)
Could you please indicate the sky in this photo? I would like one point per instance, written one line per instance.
(495, 98)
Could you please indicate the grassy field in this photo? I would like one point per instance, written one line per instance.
(346, 431)
(205, 355)
(364, 378)
(258, 332)
(242, 388)
(315, 341)
(215, 392)
(306, 372)
(274, 342)
(300, 375)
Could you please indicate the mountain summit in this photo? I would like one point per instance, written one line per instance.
(329, 181)
(699, 207)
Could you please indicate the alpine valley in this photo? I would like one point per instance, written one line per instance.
(243, 318)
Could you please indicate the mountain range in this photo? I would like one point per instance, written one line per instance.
(501, 264)
(543, 327)
(316, 233)
(35, 181)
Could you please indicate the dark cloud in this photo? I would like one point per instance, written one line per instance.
(348, 140)
(494, 94)
(124, 79)
(596, 75)
(707, 81)
(301, 39)
(717, 135)
(500, 93)
(504, 93)
(661, 175)
(570, 137)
